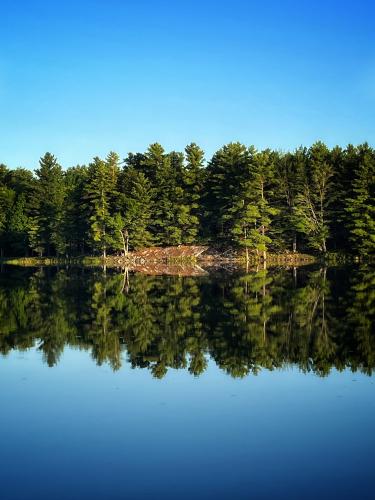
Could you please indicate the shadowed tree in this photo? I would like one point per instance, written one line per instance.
(47, 225)
(312, 208)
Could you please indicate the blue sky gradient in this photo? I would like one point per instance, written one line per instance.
(85, 77)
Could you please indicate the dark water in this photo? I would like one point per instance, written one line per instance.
(217, 386)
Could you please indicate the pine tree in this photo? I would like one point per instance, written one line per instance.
(135, 207)
(194, 176)
(262, 172)
(312, 209)
(225, 174)
(171, 216)
(49, 198)
(185, 223)
(113, 166)
(99, 191)
(251, 213)
(153, 160)
(167, 231)
(75, 222)
(361, 206)
(289, 176)
(7, 197)
(18, 227)
(342, 181)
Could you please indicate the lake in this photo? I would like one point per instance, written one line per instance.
(223, 384)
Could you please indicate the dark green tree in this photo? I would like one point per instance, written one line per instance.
(135, 202)
(47, 236)
(100, 189)
(194, 177)
(360, 207)
(312, 208)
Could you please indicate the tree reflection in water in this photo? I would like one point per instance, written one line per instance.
(317, 319)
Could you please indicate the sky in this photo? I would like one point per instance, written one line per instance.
(80, 78)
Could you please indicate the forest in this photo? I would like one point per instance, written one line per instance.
(313, 200)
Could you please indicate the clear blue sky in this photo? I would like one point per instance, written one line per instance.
(79, 78)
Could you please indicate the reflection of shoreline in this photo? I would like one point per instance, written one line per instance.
(169, 267)
(183, 256)
(318, 318)
(160, 269)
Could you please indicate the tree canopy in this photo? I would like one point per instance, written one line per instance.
(310, 200)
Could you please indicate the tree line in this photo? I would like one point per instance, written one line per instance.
(316, 320)
(311, 200)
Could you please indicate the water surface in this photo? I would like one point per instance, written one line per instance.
(227, 385)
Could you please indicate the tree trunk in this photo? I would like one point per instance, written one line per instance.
(104, 245)
(263, 228)
(264, 251)
(247, 249)
(125, 241)
(295, 243)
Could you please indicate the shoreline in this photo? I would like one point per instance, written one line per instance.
(158, 257)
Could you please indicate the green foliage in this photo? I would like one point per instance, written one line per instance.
(193, 182)
(289, 177)
(315, 199)
(243, 322)
(75, 224)
(47, 231)
(360, 207)
(136, 207)
(100, 191)
(18, 227)
(239, 184)
(7, 197)
(311, 211)
(225, 173)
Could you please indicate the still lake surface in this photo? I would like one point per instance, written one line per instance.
(224, 385)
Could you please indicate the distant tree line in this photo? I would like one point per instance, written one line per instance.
(313, 199)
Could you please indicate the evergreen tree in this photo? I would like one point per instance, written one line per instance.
(194, 176)
(99, 190)
(225, 174)
(361, 206)
(342, 181)
(250, 214)
(113, 166)
(289, 176)
(183, 219)
(18, 227)
(166, 228)
(76, 224)
(171, 217)
(135, 206)
(153, 160)
(312, 209)
(7, 197)
(262, 177)
(3, 173)
(49, 203)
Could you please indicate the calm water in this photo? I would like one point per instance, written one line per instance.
(226, 385)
